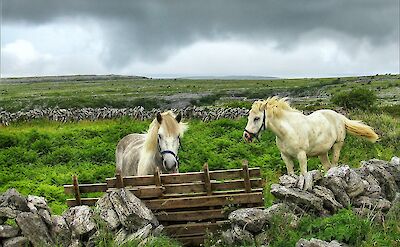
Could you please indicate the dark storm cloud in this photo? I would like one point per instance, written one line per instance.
(152, 30)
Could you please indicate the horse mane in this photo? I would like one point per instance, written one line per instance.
(275, 106)
(171, 126)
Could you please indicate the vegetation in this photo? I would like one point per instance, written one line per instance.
(359, 98)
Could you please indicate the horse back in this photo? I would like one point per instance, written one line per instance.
(127, 154)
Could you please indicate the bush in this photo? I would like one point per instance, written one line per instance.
(358, 98)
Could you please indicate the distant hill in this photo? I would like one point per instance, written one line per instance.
(70, 78)
(230, 77)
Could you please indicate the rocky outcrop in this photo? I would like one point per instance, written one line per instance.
(373, 186)
(120, 211)
(371, 190)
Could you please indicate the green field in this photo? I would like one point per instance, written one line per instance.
(39, 157)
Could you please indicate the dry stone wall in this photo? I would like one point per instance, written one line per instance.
(372, 189)
(138, 113)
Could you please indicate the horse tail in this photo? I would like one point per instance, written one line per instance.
(358, 128)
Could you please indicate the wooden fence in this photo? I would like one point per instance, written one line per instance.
(187, 204)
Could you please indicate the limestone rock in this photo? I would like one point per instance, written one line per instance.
(7, 231)
(328, 198)
(250, 219)
(6, 212)
(132, 212)
(337, 185)
(14, 200)
(303, 198)
(106, 211)
(60, 231)
(386, 180)
(33, 228)
(140, 234)
(36, 202)
(80, 220)
(16, 242)
(318, 243)
(372, 203)
(288, 181)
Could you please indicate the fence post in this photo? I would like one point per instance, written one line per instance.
(76, 190)
(119, 181)
(207, 181)
(246, 176)
(157, 180)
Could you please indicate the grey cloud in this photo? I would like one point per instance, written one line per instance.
(152, 30)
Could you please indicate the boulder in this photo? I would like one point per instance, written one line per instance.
(394, 211)
(33, 228)
(60, 231)
(250, 219)
(80, 220)
(281, 210)
(376, 215)
(132, 212)
(298, 196)
(14, 200)
(16, 242)
(7, 231)
(106, 212)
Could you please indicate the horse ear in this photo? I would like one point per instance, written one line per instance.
(178, 117)
(159, 118)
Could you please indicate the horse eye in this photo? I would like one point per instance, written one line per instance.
(256, 119)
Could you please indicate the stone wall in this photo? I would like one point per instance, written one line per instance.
(139, 113)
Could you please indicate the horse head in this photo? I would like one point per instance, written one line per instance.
(169, 140)
(256, 121)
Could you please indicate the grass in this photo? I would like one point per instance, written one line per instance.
(40, 156)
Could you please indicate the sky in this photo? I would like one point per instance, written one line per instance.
(170, 38)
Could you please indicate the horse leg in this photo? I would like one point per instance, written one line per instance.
(336, 152)
(302, 157)
(289, 164)
(325, 161)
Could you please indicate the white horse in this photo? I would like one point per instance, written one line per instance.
(299, 136)
(140, 154)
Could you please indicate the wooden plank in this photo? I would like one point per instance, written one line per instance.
(183, 177)
(84, 201)
(215, 186)
(233, 173)
(197, 215)
(85, 188)
(193, 229)
(204, 201)
(144, 192)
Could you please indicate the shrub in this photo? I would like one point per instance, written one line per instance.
(358, 98)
